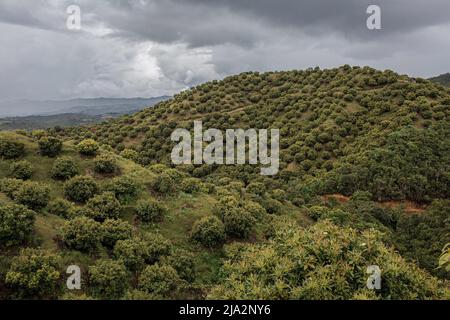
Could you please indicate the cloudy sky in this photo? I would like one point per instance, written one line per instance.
(155, 47)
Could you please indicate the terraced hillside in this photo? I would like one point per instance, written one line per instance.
(356, 143)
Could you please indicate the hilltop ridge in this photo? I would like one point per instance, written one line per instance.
(443, 79)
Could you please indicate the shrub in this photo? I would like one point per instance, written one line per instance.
(104, 206)
(60, 207)
(82, 233)
(159, 279)
(316, 212)
(105, 163)
(21, 170)
(130, 154)
(132, 252)
(255, 209)
(50, 146)
(157, 247)
(16, 224)
(176, 175)
(139, 296)
(137, 252)
(225, 203)
(64, 168)
(88, 147)
(338, 217)
(80, 188)
(150, 211)
(33, 195)
(34, 273)
(238, 222)
(80, 211)
(361, 196)
(114, 230)
(124, 188)
(338, 258)
(108, 279)
(190, 185)
(9, 186)
(11, 149)
(183, 262)
(279, 195)
(164, 184)
(272, 206)
(208, 231)
(38, 134)
(236, 186)
(256, 188)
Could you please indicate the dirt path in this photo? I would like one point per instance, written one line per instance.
(408, 206)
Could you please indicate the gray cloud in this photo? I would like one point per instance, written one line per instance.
(154, 47)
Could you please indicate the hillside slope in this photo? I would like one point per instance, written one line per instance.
(331, 122)
(443, 79)
(109, 200)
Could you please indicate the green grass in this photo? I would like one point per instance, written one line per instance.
(47, 228)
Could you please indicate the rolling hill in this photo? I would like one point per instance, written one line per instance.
(92, 107)
(443, 79)
(364, 162)
(331, 122)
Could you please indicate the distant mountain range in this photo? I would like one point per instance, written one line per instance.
(443, 79)
(30, 114)
(50, 121)
(91, 107)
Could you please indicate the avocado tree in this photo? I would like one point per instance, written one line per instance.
(16, 224)
(34, 273)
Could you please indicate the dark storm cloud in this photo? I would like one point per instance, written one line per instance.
(243, 22)
(341, 15)
(155, 47)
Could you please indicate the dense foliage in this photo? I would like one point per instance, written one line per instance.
(80, 188)
(11, 149)
(105, 163)
(21, 170)
(108, 279)
(88, 147)
(324, 262)
(82, 233)
(209, 231)
(104, 206)
(34, 273)
(421, 236)
(150, 211)
(50, 146)
(364, 162)
(32, 194)
(64, 168)
(16, 224)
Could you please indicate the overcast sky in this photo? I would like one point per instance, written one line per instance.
(157, 47)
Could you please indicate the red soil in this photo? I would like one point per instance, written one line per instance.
(408, 206)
